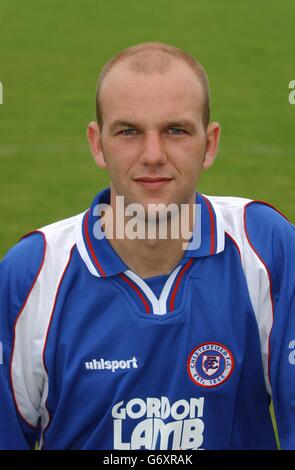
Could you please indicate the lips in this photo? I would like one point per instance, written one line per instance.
(152, 182)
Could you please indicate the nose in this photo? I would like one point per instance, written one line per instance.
(153, 152)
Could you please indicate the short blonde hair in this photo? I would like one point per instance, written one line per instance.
(152, 57)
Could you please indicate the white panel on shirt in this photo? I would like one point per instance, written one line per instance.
(29, 376)
(232, 209)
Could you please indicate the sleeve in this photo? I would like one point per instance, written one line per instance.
(273, 239)
(19, 271)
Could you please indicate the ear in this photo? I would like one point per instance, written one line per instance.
(213, 134)
(94, 139)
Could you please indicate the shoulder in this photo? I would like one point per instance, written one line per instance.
(21, 266)
(272, 237)
(261, 231)
(31, 248)
(62, 229)
(24, 259)
(19, 270)
(250, 214)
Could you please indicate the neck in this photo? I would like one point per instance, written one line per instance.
(146, 256)
(149, 259)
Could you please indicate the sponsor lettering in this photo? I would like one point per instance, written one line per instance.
(158, 424)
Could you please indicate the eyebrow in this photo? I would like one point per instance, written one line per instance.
(182, 123)
(121, 123)
(176, 123)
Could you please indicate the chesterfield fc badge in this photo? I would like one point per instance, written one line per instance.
(210, 364)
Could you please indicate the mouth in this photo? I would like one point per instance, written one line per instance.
(152, 182)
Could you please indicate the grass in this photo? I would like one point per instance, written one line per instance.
(49, 60)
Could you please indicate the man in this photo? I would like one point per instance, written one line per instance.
(121, 342)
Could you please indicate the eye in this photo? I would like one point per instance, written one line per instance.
(129, 131)
(176, 131)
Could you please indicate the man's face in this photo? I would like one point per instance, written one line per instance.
(153, 140)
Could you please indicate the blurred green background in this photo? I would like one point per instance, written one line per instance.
(50, 56)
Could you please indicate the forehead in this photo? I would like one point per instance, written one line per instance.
(130, 94)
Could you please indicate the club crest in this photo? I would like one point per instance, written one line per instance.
(210, 364)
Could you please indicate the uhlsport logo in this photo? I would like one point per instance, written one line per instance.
(210, 364)
(102, 364)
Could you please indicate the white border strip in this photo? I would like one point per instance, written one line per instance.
(81, 245)
(159, 305)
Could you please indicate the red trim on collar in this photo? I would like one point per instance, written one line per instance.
(175, 289)
(137, 290)
(212, 225)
